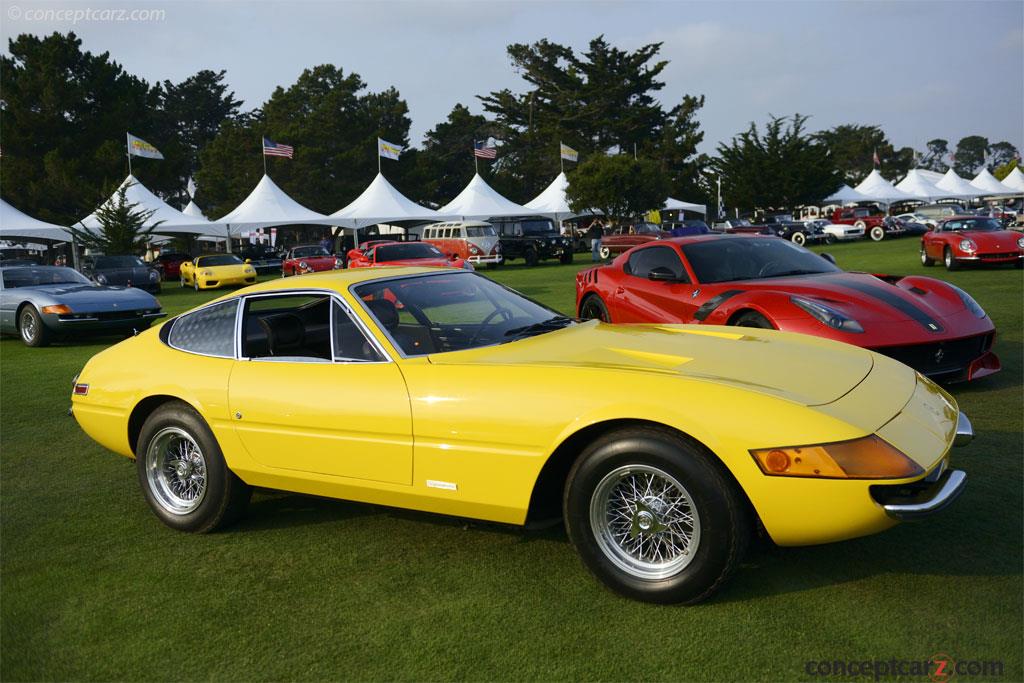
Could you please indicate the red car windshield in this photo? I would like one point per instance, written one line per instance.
(409, 251)
(309, 252)
(752, 258)
(973, 224)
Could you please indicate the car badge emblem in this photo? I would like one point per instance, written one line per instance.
(695, 293)
(939, 355)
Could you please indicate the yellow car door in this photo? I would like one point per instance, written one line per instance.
(313, 393)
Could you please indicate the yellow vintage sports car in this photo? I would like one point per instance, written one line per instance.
(216, 270)
(662, 446)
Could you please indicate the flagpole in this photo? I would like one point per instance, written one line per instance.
(128, 148)
(263, 153)
(561, 159)
(379, 172)
(476, 166)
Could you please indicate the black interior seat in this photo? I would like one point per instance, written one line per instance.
(285, 332)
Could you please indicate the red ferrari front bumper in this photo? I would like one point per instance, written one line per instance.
(949, 360)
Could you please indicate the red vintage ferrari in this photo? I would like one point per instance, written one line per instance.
(403, 254)
(971, 239)
(760, 281)
(310, 258)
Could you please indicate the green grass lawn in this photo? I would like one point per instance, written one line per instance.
(94, 587)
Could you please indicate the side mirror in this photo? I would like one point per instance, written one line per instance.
(829, 257)
(662, 274)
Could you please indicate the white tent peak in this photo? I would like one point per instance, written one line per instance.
(552, 200)
(268, 205)
(919, 185)
(380, 202)
(878, 189)
(845, 195)
(989, 185)
(480, 200)
(171, 221)
(17, 225)
(1015, 180)
(191, 209)
(957, 186)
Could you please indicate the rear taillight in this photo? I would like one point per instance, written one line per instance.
(81, 389)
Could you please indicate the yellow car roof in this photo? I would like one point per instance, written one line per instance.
(339, 280)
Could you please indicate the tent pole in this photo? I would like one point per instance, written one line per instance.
(74, 251)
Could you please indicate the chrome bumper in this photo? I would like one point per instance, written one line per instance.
(964, 431)
(952, 486)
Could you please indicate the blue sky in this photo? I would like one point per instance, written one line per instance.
(918, 69)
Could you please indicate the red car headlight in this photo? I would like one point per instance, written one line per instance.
(866, 458)
(968, 245)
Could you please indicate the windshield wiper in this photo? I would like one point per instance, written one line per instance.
(555, 323)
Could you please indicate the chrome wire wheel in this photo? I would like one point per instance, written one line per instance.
(176, 471)
(645, 522)
(28, 326)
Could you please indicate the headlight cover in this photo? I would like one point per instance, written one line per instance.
(153, 276)
(828, 315)
(968, 245)
(207, 273)
(101, 278)
(972, 305)
(1020, 242)
(869, 457)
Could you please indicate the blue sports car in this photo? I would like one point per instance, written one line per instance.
(41, 303)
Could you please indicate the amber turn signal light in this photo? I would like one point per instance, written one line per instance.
(59, 309)
(866, 458)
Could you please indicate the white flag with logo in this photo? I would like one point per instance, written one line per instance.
(388, 150)
(140, 148)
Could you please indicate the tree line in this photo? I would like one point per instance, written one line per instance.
(65, 112)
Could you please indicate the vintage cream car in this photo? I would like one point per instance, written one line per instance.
(662, 446)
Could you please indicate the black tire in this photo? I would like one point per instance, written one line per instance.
(696, 482)
(593, 308)
(31, 327)
(753, 319)
(948, 260)
(877, 233)
(224, 496)
(531, 257)
(195, 283)
(830, 238)
(181, 279)
(566, 257)
(925, 261)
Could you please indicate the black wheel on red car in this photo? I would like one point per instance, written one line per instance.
(182, 472)
(592, 308)
(925, 261)
(654, 517)
(877, 233)
(947, 258)
(31, 327)
(753, 319)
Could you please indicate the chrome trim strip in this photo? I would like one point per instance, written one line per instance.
(947, 493)
(964, 431)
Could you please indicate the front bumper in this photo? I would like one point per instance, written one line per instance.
(99, 323)
(909, 503)
(949, 360)
(213, 283)
(484, 260)
(991, 258)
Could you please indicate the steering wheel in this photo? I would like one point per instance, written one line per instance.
(421, 317)
(767, 268)
(504, 312)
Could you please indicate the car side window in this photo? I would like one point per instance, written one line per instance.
(293, 327)
(643, 261)
(953, 225)
(209, 331)
(349, 341)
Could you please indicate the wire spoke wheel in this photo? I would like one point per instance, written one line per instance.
(176, 471)
(645, 522)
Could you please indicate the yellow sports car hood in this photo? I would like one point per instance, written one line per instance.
(800, 368)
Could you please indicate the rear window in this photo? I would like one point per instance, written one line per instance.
(209, 331)
(410, 250)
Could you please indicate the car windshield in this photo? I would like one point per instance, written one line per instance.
(540, 226)
(42, 275)
(308, 252)
(410, 250)
(480, 231)
(753, 258)
(218, 260)
(974, 224)
(110, 262)
(454, 311)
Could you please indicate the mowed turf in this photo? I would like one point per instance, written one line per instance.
(94, 587)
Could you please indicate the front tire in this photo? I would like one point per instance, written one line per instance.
(195, 284)
(753, 319)
(877, 233)
(592, 308)
(830, 238)
(925, 261)
(566, 257)
(799, 238)
(181, 280)
(948, 260)
(653, 517)
(182, 472)
(31, 327)
(531, 257)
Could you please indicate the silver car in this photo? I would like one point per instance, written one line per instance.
(41, 303)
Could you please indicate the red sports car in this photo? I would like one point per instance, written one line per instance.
(169, 265)
(760, 281)
(971, 239)
(403, 254)
(309, 258)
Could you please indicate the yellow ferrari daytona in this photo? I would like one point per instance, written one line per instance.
(664, 448)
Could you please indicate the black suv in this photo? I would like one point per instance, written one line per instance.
(532, 238)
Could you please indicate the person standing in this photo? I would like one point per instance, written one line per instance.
(595, 233)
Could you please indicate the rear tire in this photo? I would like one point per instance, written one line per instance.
(676, 542)
(31, 327)
(182, 472)
(925, 261)
(593, 308)
(753, 319)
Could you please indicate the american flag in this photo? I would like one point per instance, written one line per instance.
(481, 150)
(275, 149)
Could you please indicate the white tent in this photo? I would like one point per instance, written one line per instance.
(268, 206)
(380, 202)
(679, 205)
(479, 200)
(172, 221)
(875, 188)
(845, 195)
(957, 186)
(192, 210)
(552, 200)
(17, 226)
(1015, 181)
(989, 186)
(917, 184)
